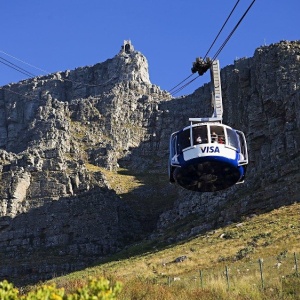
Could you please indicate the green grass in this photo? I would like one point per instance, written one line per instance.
(149, 266)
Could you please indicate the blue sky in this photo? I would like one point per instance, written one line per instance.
(58, 35)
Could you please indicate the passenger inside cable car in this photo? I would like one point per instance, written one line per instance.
(207, 157)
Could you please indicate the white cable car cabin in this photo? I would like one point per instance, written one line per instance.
(208, 156)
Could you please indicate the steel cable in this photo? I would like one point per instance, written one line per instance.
(15, 67)
(221, 29)
(221, 47)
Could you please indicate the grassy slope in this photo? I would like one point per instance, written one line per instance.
(274, 236)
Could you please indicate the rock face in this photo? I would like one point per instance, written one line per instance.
(261, 97)
(57, 134)
(62, 134)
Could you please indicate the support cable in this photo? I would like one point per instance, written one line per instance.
(31, 75)
(221, 29)
(234, 29)
(179, 89)
(202, 70)
(24, 62)
(182, 87)
(15, 67)
(170, 91)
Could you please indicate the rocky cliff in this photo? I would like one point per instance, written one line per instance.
(83, 158)
(262, 98)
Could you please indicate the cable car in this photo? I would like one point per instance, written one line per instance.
(208, 156)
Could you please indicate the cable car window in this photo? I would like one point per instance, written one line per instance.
(183, 140)
(243, 145)
(200, 135)
(172, 146)
(232, 138)
(217, 134)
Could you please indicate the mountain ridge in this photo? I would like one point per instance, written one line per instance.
(57, 142)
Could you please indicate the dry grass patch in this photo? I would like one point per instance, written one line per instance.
(273, 237)
(121, 181)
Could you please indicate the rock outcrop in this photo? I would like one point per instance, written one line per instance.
(58, 133)
(261, 97)
(63, 135)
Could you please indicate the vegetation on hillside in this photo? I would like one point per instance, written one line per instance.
(197, 268)
(100, 289)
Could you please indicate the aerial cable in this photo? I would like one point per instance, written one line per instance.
(15, 67)
(231, 33)
(179, 89)
(30, 75)
(182, 87)
(200, 65)
(221, 29)
(179, 83)
(24, 62)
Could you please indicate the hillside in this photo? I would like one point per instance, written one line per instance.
(272, 238)
(83, 158)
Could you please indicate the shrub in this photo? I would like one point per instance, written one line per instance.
(99, 289)
(7, 291)
(45, 292)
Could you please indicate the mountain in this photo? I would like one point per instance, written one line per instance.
(83, 158)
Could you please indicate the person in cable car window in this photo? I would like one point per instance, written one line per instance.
(221, 140)
(198, 140)
(214, 137)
